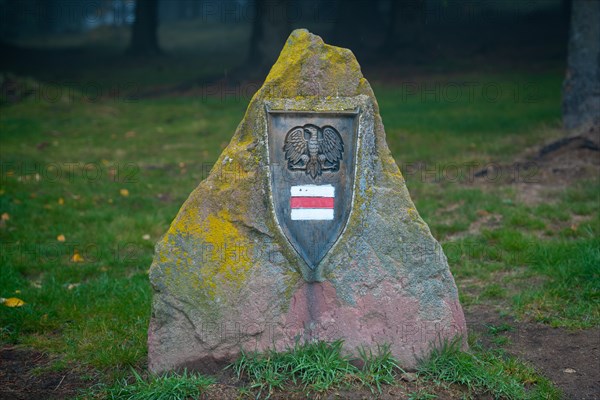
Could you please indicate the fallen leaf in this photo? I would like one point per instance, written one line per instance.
(17, 291)
(482, 213)
(124, 192)
(12, 302)
(72, 286)
(569, 370)
(77, 257)
(5, 217)
(61, 201)
(36, 284)
(61, 238)
(146, 237)
(574, 227)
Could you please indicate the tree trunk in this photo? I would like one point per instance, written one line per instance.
(581, 87)
(269, 30)
(407, 17)
(358, 26)
(144, 39)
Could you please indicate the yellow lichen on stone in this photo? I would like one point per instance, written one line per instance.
(221, 260)
(412, 213)
(302, 65)
(290, 56)
(227, 254)
(391, 169)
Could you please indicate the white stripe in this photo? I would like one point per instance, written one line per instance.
(299, 214)
(313, 191)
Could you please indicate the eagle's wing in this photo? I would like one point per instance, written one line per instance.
(331, 145)
(295, 145)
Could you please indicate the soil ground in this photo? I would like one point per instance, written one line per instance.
(570, 359)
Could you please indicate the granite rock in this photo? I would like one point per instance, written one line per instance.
(225, 278)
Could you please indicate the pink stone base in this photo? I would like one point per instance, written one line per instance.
(315, 313)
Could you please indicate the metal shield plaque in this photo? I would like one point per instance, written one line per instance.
(312, 161)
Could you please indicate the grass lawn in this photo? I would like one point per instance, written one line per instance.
(87, 188)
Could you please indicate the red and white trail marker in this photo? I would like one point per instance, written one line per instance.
(312, 202)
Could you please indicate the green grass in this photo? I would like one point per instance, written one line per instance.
(320, 366)
(167, 387)
(486, 372)
(316, 366)
(379, 368)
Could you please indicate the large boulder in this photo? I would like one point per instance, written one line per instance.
(226, 278)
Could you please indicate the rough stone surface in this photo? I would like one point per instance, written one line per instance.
(225, 278)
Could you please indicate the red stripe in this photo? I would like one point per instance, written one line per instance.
(311, 202)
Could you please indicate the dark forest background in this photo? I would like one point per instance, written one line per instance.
(240, 39)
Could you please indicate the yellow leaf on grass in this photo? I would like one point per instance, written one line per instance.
(61, 201)
(5, 217)
(124, 192)
(61, 238)
(13, 302)
(77, 257)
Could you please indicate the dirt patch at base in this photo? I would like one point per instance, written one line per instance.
(548, 168)
(569, 358)
(23, 377)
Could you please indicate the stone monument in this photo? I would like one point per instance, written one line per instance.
(304, 230)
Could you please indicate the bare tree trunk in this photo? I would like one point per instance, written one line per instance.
(581, 87)
(270, 29)
(408, 17)
(144, 39)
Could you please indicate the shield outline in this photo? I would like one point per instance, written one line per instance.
(350, 161)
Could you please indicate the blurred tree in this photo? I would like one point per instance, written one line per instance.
(408, 16)
(144, 38)
(270, 28)
(358, 25)
(581, 87)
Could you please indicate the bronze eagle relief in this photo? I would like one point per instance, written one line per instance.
(313, 150)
